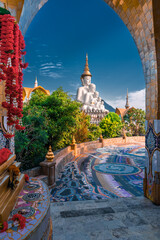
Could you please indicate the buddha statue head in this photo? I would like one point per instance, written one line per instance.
(92, 88)
(96, 94)
(86, 80)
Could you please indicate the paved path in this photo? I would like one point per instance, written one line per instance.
(110, 172)
(123, 218)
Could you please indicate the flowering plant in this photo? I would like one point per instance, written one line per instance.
(26, 178)
(11, 52)
(20, 219)
(3, 227)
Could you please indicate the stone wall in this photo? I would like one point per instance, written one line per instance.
(112, 141)
(30, 9)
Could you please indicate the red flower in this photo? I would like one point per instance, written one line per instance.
(12, 49)
(26, 178)
(8, 135)
(4, 227)
(21, 219)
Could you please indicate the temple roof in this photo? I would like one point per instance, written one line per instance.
(122, 111)
(27, 91)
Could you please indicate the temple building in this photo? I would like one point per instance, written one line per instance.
(27, 92)
(92, 103)
(123, 111)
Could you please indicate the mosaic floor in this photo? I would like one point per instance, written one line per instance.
(110, 172)
(32, 203)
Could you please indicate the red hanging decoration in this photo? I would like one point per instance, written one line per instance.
(11, 52)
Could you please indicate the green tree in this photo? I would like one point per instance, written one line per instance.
(30, 144)
(94, 132)
(111, 125)
(51, 120)
(134, 122)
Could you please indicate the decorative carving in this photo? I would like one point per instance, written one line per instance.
(50, 155)
(151, 140)
(13, 176)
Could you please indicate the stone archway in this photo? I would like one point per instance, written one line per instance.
(142, 18)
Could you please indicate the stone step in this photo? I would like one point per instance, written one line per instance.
(5, 165)
(122, 218)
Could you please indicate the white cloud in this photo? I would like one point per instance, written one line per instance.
(46, 69)
(59, 64)
(136, 99)
(51, 65)
(75, 85)
(50, 74)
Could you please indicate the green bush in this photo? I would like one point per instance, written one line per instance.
(51, 120)
(111, 125)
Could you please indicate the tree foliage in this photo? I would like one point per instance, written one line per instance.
(134, 122)
(51, 120)
(111, 125)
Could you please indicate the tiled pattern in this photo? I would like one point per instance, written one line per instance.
(34, 203)
(152, 173)
(109, 172)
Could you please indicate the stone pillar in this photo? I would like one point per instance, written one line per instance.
(151, 183)
(101, 140)
(74, 146)
(48, 167)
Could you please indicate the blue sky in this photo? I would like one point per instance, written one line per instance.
(61, 34)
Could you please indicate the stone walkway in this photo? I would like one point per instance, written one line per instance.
(123, 218)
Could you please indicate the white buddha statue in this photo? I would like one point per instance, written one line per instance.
(82, 91)
(84, 108)
(95, 98)
(98, 104)
(88, 100)
(102, 107)
(86, 81)
(92, 103)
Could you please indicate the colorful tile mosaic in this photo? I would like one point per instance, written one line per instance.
(109, 172)
(151, 140)
(33, 203)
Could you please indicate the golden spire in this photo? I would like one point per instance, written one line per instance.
(73, 140)
(50, 155)
(127, 103)
(36, 83)
(86, 69)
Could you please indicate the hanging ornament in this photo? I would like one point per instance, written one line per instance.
(12, 47)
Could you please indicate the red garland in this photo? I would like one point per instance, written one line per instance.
(3, 227)
(21, 219)
(26, 177)
(11, 52)
(8, 135)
